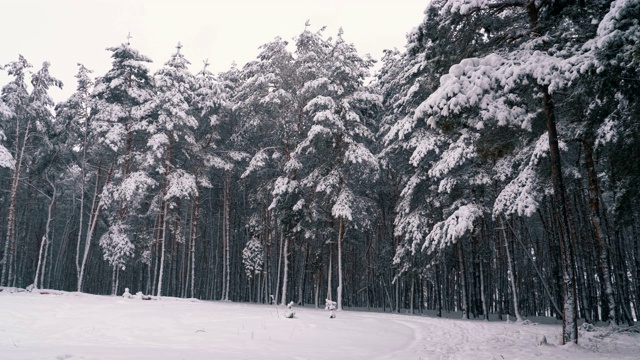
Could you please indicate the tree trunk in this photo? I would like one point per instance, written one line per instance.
(226, 235)
(163, 238)
(438, 291)
(195, 218)
(10, 244)
(82, 191)
(535, 267)
(317, 288)
(40, 251)
(303, 275)
(411, 296)
(463, 283)
(277, 290)
(113, 280)
(329, 289)
(569, 322)
(45, 240)
(285, 270)
(594, 214)
(512, 280)
(80, 225)
(93, 221)
(485, 309)
(340, 285)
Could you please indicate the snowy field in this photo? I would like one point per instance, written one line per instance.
(59, 325)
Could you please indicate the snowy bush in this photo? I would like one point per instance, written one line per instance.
(331, 306)
(541, 340)
(253, 257)
(140, 296)
(290, 313)
(116, 245)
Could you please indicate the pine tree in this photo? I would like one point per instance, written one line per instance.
(72, 119)
(268, 109)
(171, 142)
(44, 154)
(334, 154)
(30, 116)
(121, 107)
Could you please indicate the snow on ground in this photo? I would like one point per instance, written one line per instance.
(59, 325)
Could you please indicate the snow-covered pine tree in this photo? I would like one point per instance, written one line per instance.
(334, 158)
(27, 132)
(608, 88)
(524, 49)
(45, 153)
(6, 159)
(72, 123)
(268, 110)
(16, 133)
(211, 109)
(222, 155)
(170, 145)
(121, 104)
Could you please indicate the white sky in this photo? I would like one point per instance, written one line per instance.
(65, 32)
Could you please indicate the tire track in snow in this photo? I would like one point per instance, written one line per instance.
(439, 338)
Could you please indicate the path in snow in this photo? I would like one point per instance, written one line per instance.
(81, 326)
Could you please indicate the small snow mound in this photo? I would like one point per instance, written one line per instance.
(11, 290)
(331, 306)
(541, 340)
(289, 313)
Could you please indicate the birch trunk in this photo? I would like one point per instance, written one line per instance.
(10, 244)
(535, 267)
(81, 218)
(41, 250)
(93, 221)
(45, 240)
(285, 270)
(512, 281)
(163, 235)
(82, 190)
(165, 208)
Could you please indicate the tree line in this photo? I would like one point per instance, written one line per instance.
(490, 167)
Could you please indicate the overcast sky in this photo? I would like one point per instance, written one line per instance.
(67, 32)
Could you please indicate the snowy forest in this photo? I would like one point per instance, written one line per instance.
(492, 166)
